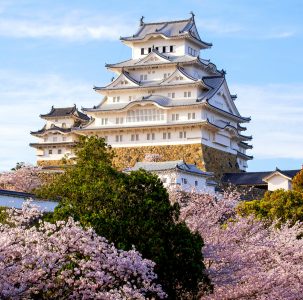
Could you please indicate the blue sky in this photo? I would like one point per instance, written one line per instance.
(53, 52)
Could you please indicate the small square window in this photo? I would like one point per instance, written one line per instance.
(50, 151)
(59, 151)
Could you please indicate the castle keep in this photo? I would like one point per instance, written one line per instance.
(166, 99)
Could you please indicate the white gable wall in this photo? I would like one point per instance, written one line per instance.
(278, 182)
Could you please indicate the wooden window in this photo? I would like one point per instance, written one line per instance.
(149, 50)
(59, 151)
(166, 135)
(134, 137)
(118, 138)
(171, 48)
(196, 182)
(182, 134)
(164, 49)
(175, 117)
(119, 120)
(50, 151)
(142, 51)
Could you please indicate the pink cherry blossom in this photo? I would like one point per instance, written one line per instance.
(245, 258)
(65, 261)
(25, 179)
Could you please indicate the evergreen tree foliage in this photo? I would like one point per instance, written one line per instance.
(297, 182)
(279, 205)
(130, 210)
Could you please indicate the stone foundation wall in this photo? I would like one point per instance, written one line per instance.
(219, 161)
(206, 158)
(47, 163)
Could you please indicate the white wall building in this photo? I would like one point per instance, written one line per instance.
(178, 174)
(167, 94)
(56, 139)
(267, 180)
(280, 180)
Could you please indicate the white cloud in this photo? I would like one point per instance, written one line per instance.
(23, 97)
(73, 26)
(277, 122)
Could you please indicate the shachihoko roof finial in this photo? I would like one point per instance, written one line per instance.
(142, 21)
(192, 14)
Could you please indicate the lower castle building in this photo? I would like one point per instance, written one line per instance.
(166, 99)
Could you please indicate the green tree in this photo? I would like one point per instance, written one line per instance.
(130, 210)
(277, 205)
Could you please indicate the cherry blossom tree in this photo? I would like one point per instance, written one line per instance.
(245, 258)
(65, 261)
(23, 179)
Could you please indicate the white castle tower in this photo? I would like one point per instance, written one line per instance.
(168, 100)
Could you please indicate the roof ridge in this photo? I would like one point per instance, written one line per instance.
(163, 22)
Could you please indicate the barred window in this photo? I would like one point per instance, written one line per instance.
(144, 115)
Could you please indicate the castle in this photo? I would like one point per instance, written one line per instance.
(166, 99)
